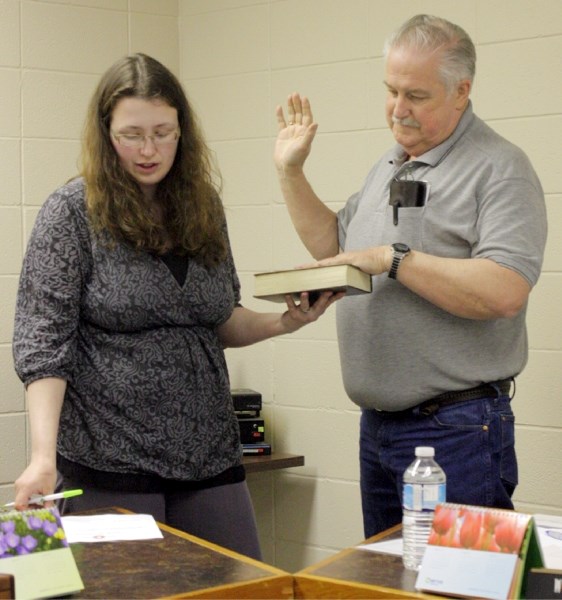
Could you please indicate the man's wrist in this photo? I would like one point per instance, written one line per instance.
(290, 171)
(388, 258)
(399, 252)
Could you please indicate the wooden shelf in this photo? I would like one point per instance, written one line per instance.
(276, 460)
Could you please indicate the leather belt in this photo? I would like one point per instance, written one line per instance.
(431, 406)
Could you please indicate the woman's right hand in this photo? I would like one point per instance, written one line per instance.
(296, 133)
(44, 402)
(37, 479)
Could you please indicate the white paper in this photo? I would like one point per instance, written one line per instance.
(469, 573)
(549, 530)
(386, 546)
(110, 528)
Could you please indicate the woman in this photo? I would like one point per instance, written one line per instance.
(128, 296)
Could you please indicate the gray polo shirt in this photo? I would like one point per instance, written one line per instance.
(485, 201)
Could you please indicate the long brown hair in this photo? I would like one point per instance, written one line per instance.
(192, 220)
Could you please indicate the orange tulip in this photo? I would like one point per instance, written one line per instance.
(443, 519)
(509, 534)
(490, 521)
(470, 530)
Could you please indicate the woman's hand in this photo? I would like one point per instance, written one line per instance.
(306, 312)
(245, 327)
(37, 479)
(44, 401)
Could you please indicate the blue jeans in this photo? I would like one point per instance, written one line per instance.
(474, 444)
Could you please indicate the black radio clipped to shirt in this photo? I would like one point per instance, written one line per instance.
(407, 193)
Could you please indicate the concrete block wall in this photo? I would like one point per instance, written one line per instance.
(238, 59)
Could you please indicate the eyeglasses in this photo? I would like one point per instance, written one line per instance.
(135, 140)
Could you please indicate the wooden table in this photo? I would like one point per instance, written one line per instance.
(179, 565)
(276, 460)
(354, 573)
(6, 586)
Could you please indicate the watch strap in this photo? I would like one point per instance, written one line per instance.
(399, 251)
(397, 258)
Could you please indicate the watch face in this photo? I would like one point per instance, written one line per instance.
(399, 247)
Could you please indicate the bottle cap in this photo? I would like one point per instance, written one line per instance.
(425, 451)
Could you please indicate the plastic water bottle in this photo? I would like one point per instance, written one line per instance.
(424, 488)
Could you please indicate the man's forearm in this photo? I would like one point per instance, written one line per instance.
(468, 288)
(314, 222)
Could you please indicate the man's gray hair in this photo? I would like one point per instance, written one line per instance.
(426, 33)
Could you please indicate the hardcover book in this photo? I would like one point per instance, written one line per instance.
(275, 285)
(34, 549)
(478, 552)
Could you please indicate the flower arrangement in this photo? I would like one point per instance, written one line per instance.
(476, 528)
(30, 531)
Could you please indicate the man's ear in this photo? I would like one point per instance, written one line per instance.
(463, 92)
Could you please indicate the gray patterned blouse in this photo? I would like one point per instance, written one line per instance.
(148, 389)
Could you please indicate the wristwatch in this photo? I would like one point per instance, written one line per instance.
(399, 252)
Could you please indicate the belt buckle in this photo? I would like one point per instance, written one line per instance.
(429, 409)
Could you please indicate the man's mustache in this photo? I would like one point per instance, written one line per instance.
(407, 122)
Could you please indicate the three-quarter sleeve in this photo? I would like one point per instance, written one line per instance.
(50, 287)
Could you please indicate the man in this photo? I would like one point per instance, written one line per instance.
(451, 223)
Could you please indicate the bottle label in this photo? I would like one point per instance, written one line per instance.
(423, 496)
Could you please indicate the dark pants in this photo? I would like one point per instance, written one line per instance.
(223, 515)
(474, 444)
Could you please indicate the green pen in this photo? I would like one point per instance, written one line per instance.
(42, 499)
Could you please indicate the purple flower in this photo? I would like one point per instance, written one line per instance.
(8, 526)
(12, 540)
(29, 543)
(34, 522)
(50, 528)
